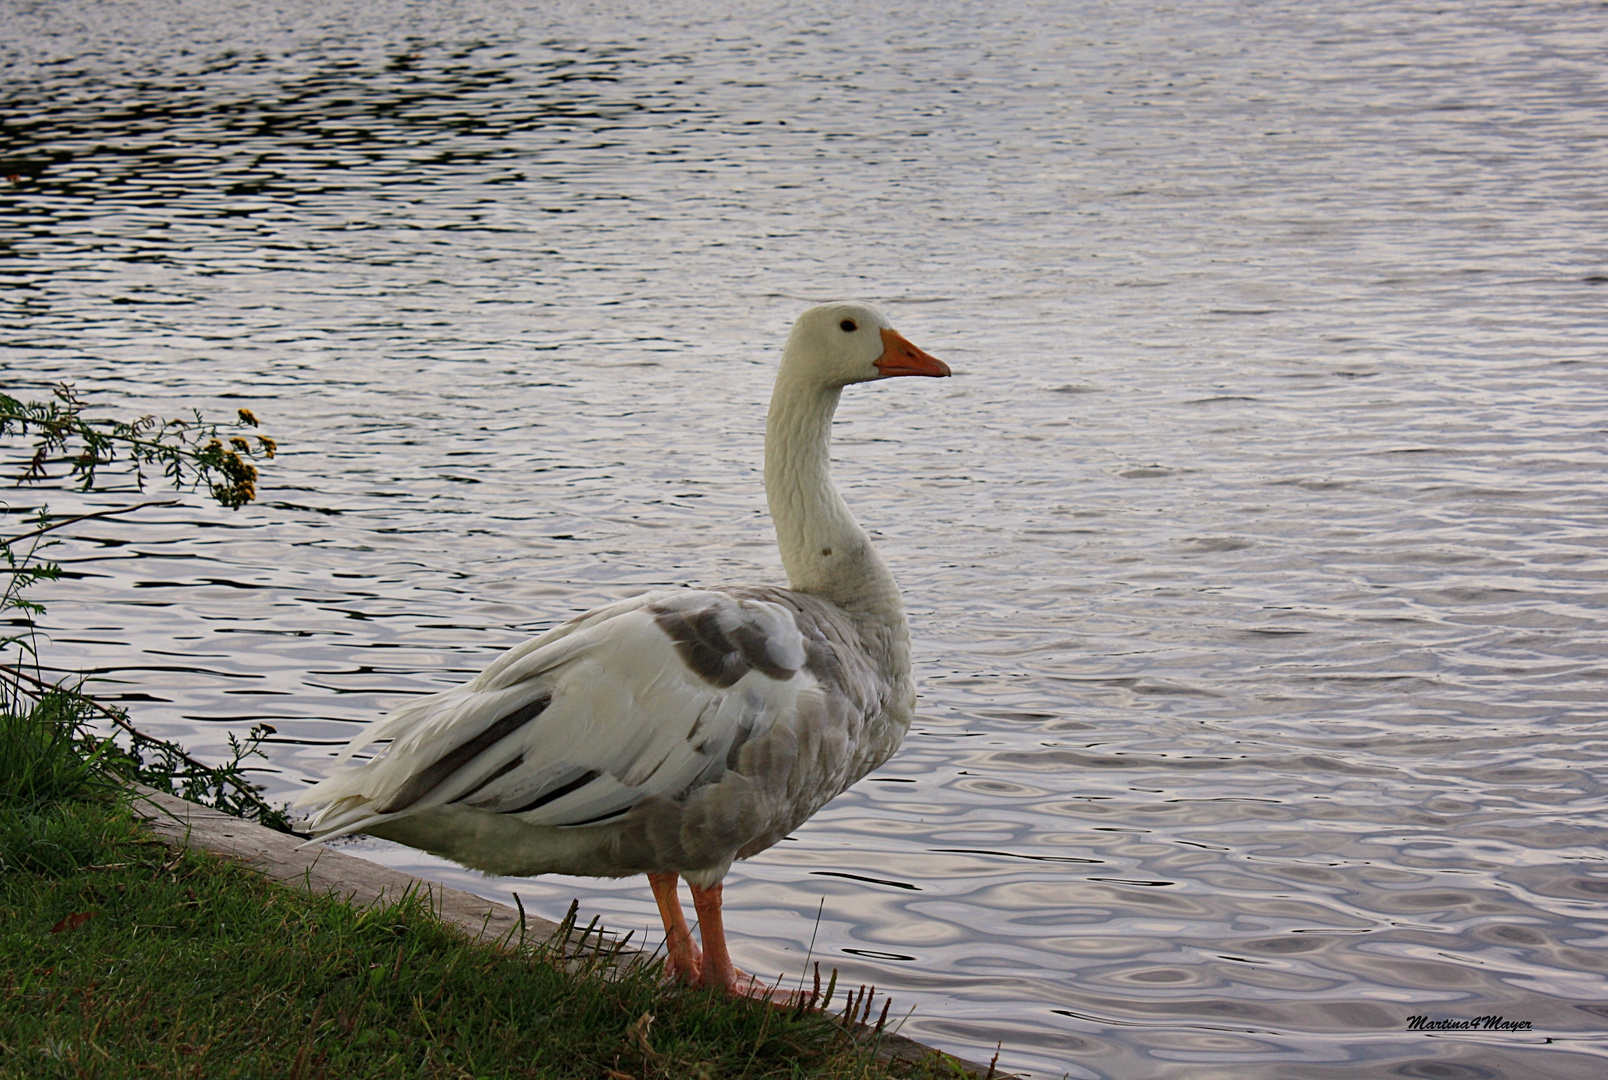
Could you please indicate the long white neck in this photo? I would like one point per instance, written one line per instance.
(823, 548)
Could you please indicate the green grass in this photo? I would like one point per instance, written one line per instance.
(122, 958)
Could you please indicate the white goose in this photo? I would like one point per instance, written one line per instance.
(673, 732)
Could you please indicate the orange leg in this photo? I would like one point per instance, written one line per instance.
(682, 959)
(718, 970)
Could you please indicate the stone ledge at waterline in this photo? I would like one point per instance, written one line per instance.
(359, 882)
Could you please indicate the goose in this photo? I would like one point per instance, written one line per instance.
(674, 732)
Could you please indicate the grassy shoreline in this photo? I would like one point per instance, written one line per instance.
(122, 957)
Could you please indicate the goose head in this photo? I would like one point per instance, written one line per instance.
(840, 343)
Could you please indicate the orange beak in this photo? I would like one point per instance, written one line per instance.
(899, 357)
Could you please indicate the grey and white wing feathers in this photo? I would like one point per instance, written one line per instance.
(652, 698)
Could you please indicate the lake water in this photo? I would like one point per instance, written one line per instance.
(1255, 555)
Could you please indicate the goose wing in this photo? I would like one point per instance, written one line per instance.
(653, 696)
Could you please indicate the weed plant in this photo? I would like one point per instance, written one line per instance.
(188, 454)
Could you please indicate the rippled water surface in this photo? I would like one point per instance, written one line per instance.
(1255, 556)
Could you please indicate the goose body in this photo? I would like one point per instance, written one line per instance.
(673, 732)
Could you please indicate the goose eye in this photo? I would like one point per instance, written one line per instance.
(847, 326)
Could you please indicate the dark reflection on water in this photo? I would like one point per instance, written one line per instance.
(1255, 556)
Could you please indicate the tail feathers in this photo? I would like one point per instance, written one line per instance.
(421, 731)
(338, 790)
(368, 780)
(396, 725)
(344, 816)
